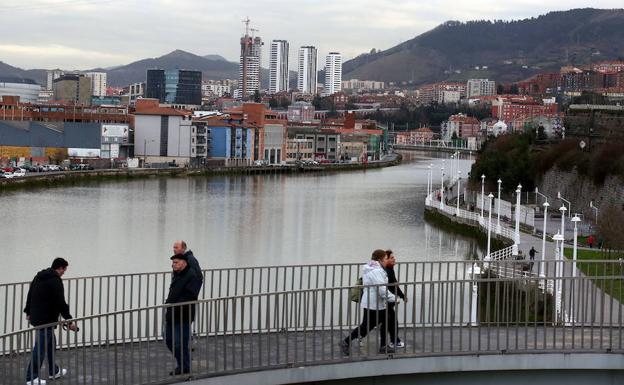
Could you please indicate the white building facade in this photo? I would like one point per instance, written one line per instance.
(306, 77)
(333, 73)
(278, 67)
(98, 83)
(480, 87)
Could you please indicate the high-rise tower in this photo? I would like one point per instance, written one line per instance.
(278, 68)
(306, 78)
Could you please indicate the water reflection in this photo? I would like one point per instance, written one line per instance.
(114, 227)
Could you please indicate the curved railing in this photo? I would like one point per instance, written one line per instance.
(465, 313)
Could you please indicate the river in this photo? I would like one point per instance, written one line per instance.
(123, 227)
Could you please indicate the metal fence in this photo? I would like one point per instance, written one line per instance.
(469, 311)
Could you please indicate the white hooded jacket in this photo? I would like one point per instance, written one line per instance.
(375, 298)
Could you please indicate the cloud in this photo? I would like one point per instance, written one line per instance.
(83, 34)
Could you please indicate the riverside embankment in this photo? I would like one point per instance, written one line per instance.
(71, 177)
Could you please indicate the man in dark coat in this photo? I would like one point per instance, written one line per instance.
(44, 303)
(185, 285)
(396, 290)
(179, 247)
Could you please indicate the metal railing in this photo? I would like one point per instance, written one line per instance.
(109, 293)
(468, 314)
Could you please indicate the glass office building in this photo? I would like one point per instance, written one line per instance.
(174, 86)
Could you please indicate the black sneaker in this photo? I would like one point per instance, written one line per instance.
(344, 346)
(386, 350)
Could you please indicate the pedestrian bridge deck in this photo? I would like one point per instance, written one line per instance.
(149, 361)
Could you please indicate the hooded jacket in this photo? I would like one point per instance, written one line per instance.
(46, 299)
(183, 288)
(375, 298)
(194, 265)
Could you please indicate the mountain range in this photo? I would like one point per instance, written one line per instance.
(504, 51)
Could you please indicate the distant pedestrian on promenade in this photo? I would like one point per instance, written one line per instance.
(590, 241)
(179, 247)
(532, 256)
(396, 290)
(373, 303)
(184, 287)
(44, 303)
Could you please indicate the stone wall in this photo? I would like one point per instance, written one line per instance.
(581, 190)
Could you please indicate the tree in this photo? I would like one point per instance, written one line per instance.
(284, 102)
(273, 102)
(59, 155)
(257, 97)
(611, 227)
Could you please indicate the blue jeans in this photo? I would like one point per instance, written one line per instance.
(177, 340)
(45, 345)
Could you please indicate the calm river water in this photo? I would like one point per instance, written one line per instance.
(122, 227)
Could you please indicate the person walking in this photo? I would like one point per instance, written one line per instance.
(590, 241)
(396, 290)
(532, 257)
(44, 303)
(184, 287)
(373, 303)
(179, 247)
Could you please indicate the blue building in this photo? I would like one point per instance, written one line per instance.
(228, 139)
(179, 87)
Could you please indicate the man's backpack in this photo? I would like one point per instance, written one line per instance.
(356, 292)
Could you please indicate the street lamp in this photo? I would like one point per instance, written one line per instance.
(482, 195)
(558, 269)
(540, 194)
(563, 210)
(428, 184)
(489, 237)
(517, 233)
(498, 226)
(567, 201)
(591, 204)
(541, 271)
(575, 220)
(458, 191)
(452, 174)
(442, 191)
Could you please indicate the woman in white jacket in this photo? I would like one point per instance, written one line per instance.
(373, 303)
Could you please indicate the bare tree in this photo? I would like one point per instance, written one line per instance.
(611, 227)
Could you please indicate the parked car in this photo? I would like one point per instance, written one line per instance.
(6, 175)
(53, 167)
(18, 172)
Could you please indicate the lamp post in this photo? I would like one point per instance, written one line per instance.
(489, 237)
(458, 191)
(558, 238)
(517, 232)
(591, 204)
(566, 201)
(452, 166)
(428, 185)
(541, 269)
(575, 220)
(498, 226)
(563, 211)
(442, 190)
(482, 195)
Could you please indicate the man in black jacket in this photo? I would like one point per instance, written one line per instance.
(44, 303)
(179, 247)
(184, 287)
(396, 290)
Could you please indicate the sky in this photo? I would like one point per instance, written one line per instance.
(84, 34)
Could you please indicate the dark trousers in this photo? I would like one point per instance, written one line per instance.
(177, 340)
(372, 318)
(393, 331)
(45, 345)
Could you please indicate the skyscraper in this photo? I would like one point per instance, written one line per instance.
(333, 73)
(306, 78)
(278, 76)
(98, 83)
(249, 65)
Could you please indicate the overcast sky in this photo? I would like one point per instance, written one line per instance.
(83, 34)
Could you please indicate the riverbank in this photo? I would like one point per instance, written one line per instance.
(66, 178)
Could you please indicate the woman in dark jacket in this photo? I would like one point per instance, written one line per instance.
(396, 290)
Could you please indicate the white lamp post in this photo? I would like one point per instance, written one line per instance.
(517, 233)
(498, 226)
(541, 269)
(482, 196)
(566, 201)
(563, 211)
(591, 204)
(558, 238)
(575, 220)
(452, 165)
(428, 185)
(442, 191)
(489, 237)
(458, 191)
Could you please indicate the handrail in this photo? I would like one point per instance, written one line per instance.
(472, 313)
